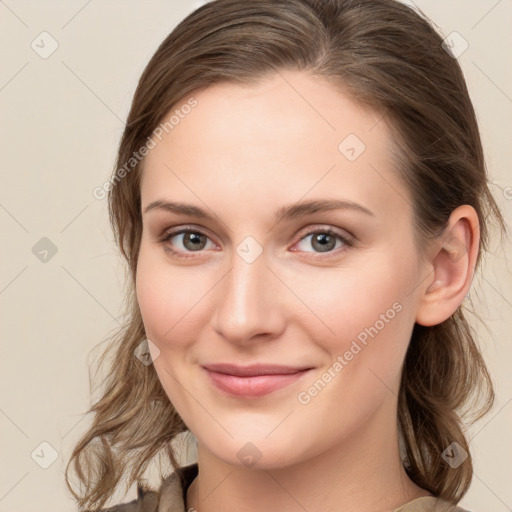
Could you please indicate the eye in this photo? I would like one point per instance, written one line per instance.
(189, 240)
(325, 240)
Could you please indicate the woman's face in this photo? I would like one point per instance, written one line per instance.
(258, 279)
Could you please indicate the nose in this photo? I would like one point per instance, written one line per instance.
(249, 302)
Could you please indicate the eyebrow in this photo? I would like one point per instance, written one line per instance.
(287, 212)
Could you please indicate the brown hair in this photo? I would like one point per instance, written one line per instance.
(386, 56)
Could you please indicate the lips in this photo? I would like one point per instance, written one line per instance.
(254, 369)
(253, 381)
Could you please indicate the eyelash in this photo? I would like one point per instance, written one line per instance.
(190, 229)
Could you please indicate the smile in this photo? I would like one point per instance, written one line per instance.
(253, 386)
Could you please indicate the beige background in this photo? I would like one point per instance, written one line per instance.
(62, 117)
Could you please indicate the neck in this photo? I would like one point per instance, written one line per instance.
(362, 473)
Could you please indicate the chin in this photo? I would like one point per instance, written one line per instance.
(257, 454)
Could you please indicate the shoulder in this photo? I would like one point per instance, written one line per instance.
(170, 496)
(146, 501)
(430, 504)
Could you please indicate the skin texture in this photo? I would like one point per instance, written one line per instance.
(240, 154)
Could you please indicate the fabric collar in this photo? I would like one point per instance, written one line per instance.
(173, 491)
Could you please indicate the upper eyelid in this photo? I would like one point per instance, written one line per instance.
(174, 231)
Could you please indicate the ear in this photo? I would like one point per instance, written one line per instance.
(451, 262)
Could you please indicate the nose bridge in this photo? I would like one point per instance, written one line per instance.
(248, 299)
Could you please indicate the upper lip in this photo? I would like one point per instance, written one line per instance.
(254, 369)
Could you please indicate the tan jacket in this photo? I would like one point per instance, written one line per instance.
(172, 494)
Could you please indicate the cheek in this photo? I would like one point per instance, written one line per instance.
(169, 300)
(369, 315)
(343, 303)
(169, 304)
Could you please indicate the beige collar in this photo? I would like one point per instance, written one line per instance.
(172, 494)
(173, 490)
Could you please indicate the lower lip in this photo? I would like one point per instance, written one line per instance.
(255, 386)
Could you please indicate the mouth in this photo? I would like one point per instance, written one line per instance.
(253, 381)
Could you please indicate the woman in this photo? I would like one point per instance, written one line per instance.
(301, 196)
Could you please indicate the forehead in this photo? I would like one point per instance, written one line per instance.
(289, 136)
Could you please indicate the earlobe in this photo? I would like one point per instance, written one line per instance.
(452, 261)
